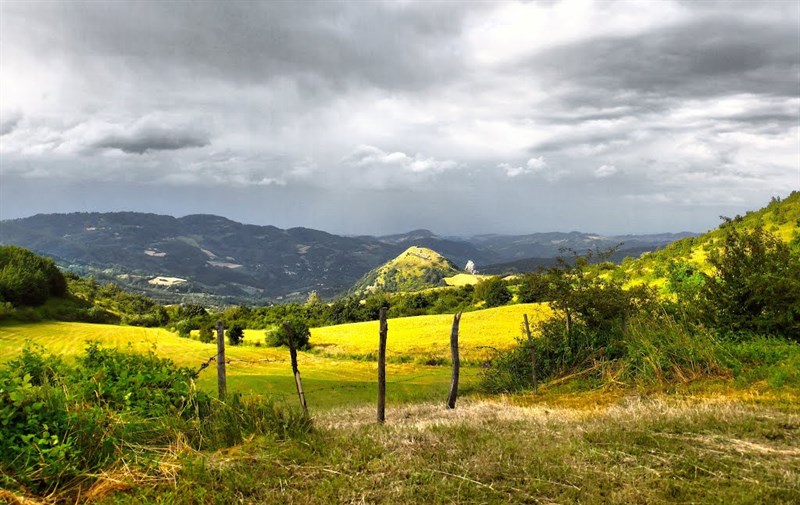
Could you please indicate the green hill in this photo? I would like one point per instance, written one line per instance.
(780, 218)
(417, 268)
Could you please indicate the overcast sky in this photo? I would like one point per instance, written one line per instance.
(373, 117)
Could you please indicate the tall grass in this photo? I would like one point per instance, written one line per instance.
(651, 349)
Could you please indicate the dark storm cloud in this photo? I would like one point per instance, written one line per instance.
(620, 104)
(142, 140)
(351, 43)
(703, 58)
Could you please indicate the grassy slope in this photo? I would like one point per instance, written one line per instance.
(429, 336)
(464, 279)
(781, 218)
(415, 269)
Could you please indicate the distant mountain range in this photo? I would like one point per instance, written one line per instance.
(221, 261)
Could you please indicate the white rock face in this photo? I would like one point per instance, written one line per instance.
(470, 267)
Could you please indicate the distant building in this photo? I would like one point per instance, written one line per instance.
(470, 268)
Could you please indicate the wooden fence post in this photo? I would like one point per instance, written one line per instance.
(533, 353)
(384, 329)
(293, 356)
(222, 382)
(451, 398)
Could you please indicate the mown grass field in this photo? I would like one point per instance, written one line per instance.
(341, 368)
(480, 332)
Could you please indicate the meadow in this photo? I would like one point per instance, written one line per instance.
(428, 337)
(339, 370)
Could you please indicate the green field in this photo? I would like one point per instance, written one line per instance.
(340, 369)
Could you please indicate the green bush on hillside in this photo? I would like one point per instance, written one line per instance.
(297, 333)
(755, 286)
(235, 334)
(493, 292)
(27, 279)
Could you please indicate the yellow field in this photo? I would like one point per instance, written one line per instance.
(429, 336)
(464, 279)
(330, 374)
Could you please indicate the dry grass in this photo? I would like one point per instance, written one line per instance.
(633, 449)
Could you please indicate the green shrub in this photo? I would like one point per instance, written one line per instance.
(206, 334)
(184, 328)
(235, 334)
(63, 425)
(652, 348)
(280, 335)
(773, 360)
(493, 291)
(755, 288)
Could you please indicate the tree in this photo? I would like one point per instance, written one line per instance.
(534, 288)
(192, 310)
(235, 334)
(297, 333)
(313, 299)
(755, 286)
(493, 291)
(206, 334)
(28, 279)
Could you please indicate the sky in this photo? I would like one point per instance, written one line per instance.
(381, 117)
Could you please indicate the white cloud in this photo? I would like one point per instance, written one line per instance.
(604, 171)
(532, 166)
(375, 167)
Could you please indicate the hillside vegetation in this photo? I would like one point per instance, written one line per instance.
(690, 255)
(415, 269)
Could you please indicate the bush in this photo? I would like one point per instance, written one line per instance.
(773, 360)
(755, 287)
(206, 334)
(280, 335)
(493, 291)
(235, 334)
(184, 328)
(60, 422)
(62, 425)
(533, 288)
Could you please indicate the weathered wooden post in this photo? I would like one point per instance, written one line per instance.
(293, 356)
(451, 398)
(384, 329)
(222, 382)
(533, 353)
